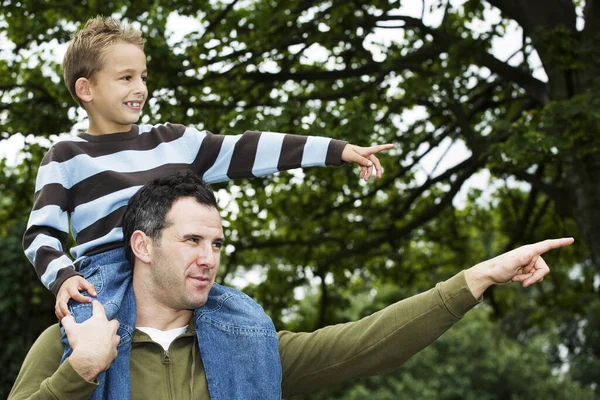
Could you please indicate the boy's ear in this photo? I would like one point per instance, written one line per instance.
(141, 246)
(83, 89)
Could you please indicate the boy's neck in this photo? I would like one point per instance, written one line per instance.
(97, 131)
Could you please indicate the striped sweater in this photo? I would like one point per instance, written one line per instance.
(85, 182)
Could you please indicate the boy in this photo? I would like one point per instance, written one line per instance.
(85, 182)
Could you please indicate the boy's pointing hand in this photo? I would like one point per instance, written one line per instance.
(365, 158)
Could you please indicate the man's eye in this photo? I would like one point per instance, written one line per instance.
(193, 240)
(218, 245)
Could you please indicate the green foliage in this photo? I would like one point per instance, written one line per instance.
(26, 307)
(474, 360)
(569, 123)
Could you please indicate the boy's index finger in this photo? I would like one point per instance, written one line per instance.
(380, 147)
(386, 146)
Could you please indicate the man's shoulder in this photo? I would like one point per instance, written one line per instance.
(48, 344)
(50, 333)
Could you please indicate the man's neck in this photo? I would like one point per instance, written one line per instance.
(152, 314)
(162, 320)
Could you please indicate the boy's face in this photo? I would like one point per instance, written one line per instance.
(118, 91)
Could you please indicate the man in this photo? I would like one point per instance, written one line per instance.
(174, 237)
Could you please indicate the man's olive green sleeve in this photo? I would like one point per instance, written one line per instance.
(42, 364)
(374, 345)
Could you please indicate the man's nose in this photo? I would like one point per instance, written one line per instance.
(206, 256)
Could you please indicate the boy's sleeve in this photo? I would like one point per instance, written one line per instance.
(252, 154)
(43, 377)
(47, 230)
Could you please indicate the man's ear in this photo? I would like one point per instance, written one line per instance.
(141, 245)
(83, 90)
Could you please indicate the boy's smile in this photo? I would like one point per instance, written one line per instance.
(118, 91)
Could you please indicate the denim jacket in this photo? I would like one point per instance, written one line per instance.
(238, 346)
(237, 340)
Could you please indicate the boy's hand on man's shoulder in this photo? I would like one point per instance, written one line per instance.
(71, 289)
(365, 158)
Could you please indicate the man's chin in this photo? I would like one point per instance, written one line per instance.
(196, 302)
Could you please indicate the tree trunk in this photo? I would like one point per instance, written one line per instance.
(583, 179)
(582, 172)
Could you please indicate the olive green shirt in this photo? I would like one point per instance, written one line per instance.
(376, 344)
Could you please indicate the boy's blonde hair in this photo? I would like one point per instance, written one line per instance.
(86, 51)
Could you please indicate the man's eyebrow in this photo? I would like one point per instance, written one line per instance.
(199, 236)
(192, 236)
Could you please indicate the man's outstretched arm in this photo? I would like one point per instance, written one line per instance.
(386, 339)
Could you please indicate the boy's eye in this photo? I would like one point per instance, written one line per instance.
(145, 78)
(126, 77)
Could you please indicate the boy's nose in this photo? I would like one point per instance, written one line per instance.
(140, 87)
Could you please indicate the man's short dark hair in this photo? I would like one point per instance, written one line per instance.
(147, 209)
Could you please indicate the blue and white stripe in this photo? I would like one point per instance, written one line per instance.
(315, 151)
(218, 172)
(88, 213)
(268, 153)
(53, 268)
(42, 240)
(115, 235)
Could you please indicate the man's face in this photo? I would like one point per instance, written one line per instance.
(185, 261)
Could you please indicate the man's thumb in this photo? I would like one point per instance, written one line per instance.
(97, 308)
(68, 322)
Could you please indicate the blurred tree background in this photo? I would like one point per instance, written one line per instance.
(491, 151)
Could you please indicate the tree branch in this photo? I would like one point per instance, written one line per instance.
(220, 17)
(520, 227)
(535, 14)
(380, 236)
(534, 87)
(412, 60)
(591, 14)
(562, 197)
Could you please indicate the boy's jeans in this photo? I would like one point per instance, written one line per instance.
(237, 340)
(111, 274)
